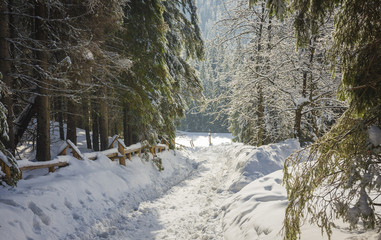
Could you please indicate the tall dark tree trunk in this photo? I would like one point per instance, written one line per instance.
(95, 123)
(60, 117)
(131, 139)
(71, 128)
(86, 121)
(125, 126)
(5, 69)
(42, 100)
(103, 120)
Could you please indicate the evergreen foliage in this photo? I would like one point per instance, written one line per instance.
(341, 174)
(209, 112)
(338, 177)
(4, 153)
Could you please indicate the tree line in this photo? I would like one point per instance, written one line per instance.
(109, 67)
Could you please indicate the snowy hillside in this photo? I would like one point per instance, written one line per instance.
(73, 202)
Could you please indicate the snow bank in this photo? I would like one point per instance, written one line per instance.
(252, 162)
(72, 202)
(256, 210)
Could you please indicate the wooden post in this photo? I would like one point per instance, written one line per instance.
(129, 156)
(210, 138)
(153, 151)
(122, 160)
(8, 172)
(121, 150)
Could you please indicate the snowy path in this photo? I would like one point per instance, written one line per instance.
(190, 210)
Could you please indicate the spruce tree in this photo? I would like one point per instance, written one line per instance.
(342, 169)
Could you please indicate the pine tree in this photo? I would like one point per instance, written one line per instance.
(342, 168)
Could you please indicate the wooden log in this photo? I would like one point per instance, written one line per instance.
(129, 156)
(76, 155)
(48, 165)
(75, 151)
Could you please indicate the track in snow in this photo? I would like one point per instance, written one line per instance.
(189, 210)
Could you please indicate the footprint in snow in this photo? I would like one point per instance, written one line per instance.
(37, 211)
(268, 188)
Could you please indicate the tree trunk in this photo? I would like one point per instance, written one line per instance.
(71, 128)
(5, 69)
(103, 121)
(297, 123)
(261, 115)
(127, 129)
(42, 100)
(260, 108)
(86, 121)
(60, 117)
(131, 140)
(95, 121)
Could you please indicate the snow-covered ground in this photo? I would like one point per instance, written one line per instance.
(224, 191)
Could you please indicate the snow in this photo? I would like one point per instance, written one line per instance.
(113, 139)
(202, 139)
(73, 202)
(374, 134)
(27, 163)
(300, 101)
(257, 212)
(122, 143)
(134, 147)
(224, 191)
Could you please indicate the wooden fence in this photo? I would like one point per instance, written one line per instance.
(120, 152)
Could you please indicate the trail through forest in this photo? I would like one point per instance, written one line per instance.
(189, 210)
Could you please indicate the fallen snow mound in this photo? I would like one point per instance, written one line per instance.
(251, 162)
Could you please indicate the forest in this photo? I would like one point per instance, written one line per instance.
(109, 67)
(263, 70)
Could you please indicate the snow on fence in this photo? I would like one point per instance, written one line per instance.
(120, 152)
